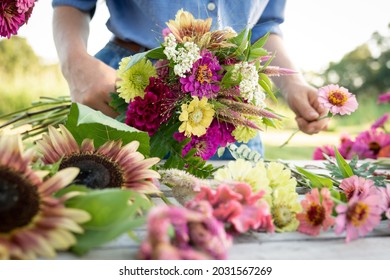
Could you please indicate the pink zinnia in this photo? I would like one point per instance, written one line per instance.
(204, 77)
(360, 216)
(369, 143)
(317, 211)
(385, 192)
(24, 5)
(155, 108)
(239, 208)
(337, 99)
(358, 186)
(384, 98)
(10, 18)
(345, 147)
(319, 152)
(180, 233)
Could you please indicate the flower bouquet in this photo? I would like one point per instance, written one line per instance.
(201, 90)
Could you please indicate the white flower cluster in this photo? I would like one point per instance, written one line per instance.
(249, 84)
(184, 57)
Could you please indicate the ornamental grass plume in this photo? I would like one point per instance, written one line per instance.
(317, 210)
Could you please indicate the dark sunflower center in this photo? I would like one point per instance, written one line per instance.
(96, 171)
(19, 200)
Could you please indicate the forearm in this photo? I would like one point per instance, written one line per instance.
(275, 45)
(70, 33)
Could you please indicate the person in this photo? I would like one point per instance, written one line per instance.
(136, 26)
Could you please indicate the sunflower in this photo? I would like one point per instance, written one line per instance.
(33, 222)
(109, 166)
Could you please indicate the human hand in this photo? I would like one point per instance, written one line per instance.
(91, 82)
(303, 100)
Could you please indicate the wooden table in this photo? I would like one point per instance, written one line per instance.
(261, 246)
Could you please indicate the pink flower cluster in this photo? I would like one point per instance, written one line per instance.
(372, 143)
(14, 14)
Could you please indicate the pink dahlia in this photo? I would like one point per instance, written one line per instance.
(369, 143)
(204, 77)
(317, 211)
(359, 216)
(155, 108)
(384, 98)
(24, 5)
(337, 99)
(319, 152)
(183, 234)
(10, 18)
(379, 123)
(238, 207)
(358, 186)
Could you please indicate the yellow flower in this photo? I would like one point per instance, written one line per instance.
(279, 176)
(284, 208)
(243, 171)
(134, 80)
(244, 133)
(196, 117)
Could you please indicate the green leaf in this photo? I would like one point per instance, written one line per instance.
(135, 59)
(264, 82)
(111, 215)
(316, 181)
(260, 42)
(84, 122)
(256, 53)
(157, 53)
(343, 166)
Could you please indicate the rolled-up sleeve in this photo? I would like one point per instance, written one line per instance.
(270, 20)
(87, 6)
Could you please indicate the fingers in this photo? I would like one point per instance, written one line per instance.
(312, 127)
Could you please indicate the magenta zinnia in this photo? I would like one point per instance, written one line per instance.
(337, 99)
(33, 222)
(317, 210)
(319, 152)
(369, 143)
(204, 78)
(176, 233)
(10, 18)
(384, 98)
(109, 166)
(360, 216)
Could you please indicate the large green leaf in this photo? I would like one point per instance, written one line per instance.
(343, 165)
(111, 215)
(84, 122)
(316, 181)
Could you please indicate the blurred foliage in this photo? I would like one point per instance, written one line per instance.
(364, 71)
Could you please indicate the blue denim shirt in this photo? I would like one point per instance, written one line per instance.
(142, 21)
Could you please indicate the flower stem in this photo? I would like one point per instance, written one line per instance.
(289, 138)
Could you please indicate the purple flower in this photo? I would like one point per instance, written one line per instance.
(10, 18)
(384, 98)
(381, 121)
(203, 79)
(368, 143)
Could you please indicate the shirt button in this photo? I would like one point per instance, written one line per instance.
(211, 6)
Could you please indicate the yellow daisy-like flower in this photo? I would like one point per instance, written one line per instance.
(284, 208)
(196, 117)
(33, 222)
(134, 80)
(243, 171)
(244, 133)
(109, 166)
(280, 176)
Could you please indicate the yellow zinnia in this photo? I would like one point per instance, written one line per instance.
(134, 80)
(196, 117)
(284, 208)
(245, 133)
(280, 176)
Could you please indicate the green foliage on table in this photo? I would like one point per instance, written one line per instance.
(111, 212)
(84, 122)
(316, 181)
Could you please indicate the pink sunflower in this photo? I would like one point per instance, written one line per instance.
(109, 166)
(360, 216)
(33, 221)
(317, 211)
(337, 99)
